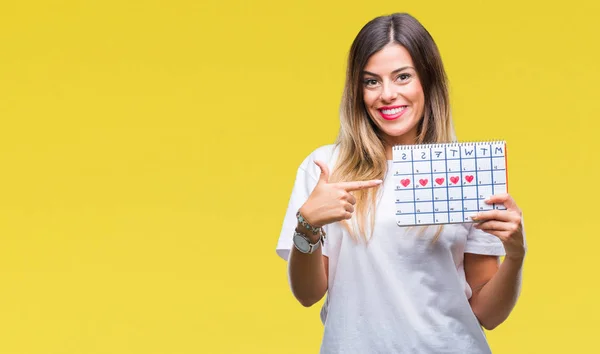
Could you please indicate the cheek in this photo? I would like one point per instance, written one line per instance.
(417, 96)
(416, 92)
(369, 97)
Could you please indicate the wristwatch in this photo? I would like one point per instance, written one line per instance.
(302, 243)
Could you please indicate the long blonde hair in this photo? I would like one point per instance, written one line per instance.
(361, 148)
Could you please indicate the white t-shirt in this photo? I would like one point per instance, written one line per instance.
(400, 293)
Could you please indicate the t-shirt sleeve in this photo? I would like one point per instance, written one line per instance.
(480, 242)
(303, 186)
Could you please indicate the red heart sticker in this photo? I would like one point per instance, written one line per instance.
(423, 182)
(469, 178)
(454, 179)
(405, 182)
(439, 180)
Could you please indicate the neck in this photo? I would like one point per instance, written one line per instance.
(388, 152)
(402, 140)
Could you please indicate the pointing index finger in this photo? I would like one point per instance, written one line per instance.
(356, 185)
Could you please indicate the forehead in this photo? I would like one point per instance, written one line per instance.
(388, 59)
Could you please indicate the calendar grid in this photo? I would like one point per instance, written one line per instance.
(432, 194)
(447, 179)
(462, 189)
(477, 180)
(492, 168)
(434, 180)
(412, 159)
(410, 174)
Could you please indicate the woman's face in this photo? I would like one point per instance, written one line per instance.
(393, 94)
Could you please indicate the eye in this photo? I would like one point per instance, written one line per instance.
(404, 77)
(370, 82)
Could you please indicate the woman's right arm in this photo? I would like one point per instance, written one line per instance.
(327, 203)
(308, 273)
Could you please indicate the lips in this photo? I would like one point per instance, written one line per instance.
(392, 112)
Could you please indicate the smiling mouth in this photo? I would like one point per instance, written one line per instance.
(392, 113)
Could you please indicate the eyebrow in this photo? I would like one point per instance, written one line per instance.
(393, 72)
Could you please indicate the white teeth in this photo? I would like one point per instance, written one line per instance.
(393, 111)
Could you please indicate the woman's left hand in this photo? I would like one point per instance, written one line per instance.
(504, 224)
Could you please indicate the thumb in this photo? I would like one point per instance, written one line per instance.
(324, 178)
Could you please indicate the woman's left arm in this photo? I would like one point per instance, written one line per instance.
(496, 288)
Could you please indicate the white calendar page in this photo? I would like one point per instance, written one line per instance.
(447, 183)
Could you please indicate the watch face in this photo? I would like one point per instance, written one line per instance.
(301, 243)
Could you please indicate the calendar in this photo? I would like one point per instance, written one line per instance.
(447, 183)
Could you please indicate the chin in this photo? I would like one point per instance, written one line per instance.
(396, 135)
(396, 130)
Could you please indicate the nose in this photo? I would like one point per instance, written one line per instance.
(388, 93)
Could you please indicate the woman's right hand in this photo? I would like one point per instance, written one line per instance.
(331, 202)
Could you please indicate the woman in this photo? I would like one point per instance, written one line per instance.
(394, 289)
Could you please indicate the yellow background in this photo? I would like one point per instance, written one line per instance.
(148, 150)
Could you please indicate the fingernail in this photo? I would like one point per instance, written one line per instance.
(378, 181)
(474, 217)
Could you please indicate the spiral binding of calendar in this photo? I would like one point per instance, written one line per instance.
(450, 144)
